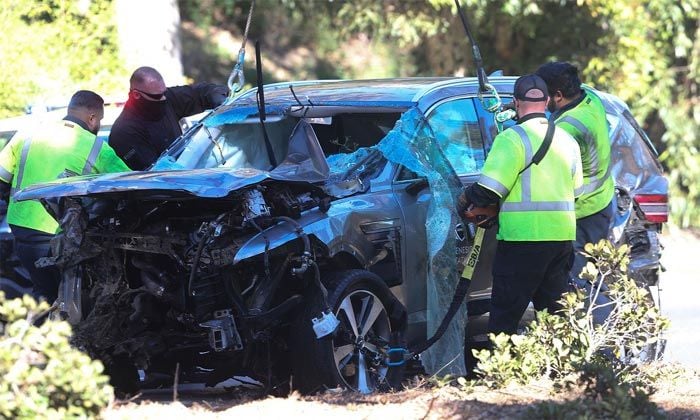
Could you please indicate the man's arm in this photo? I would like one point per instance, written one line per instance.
(481, 196)
(108, 161)
(578, 172)
(5, 191)
(128, 143)
(193, 99)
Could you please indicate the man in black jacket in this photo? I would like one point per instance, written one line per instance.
(150, 119)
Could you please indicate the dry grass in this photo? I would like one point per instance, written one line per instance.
(678, 395)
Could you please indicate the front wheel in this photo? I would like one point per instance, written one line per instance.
(354, 356)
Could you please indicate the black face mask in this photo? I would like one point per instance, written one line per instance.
(150, 110)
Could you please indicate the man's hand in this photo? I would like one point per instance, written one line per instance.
(218, 95)
(482, 216)
(463, 203)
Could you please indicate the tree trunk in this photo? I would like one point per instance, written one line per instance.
(149, 35)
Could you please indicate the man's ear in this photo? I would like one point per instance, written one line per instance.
(557, 97)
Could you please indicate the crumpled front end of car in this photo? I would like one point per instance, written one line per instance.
(153, 281)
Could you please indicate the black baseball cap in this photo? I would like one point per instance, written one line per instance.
(530, 83)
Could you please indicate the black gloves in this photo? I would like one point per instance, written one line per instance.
(485, 216)
(217, 95)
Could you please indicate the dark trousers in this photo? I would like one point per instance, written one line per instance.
(30, 245)
(525, 272)
(590, 229)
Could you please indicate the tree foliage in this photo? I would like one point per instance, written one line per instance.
(645, 51)
(51, 48)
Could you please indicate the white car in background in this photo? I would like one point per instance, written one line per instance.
(10, 126)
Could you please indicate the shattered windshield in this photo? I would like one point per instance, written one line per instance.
(318, 145)
(236, 145)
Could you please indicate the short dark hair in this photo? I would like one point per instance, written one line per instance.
(86, 99)
(560, 76)
(143, 74)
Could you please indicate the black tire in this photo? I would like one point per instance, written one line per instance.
(342, 358)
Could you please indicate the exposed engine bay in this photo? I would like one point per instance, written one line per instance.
(159, 286)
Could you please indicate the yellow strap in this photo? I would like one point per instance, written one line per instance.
(474, 254)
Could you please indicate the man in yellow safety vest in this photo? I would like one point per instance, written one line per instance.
(51, 151)
(578, 111)
(533, 172)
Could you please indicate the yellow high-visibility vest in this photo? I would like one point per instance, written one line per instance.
(537, 204)
(586, 122)
(52, 151)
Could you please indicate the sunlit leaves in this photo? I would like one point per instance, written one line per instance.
(41, 375)
(50, 49)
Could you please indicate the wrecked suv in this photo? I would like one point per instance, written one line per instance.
(264, 225)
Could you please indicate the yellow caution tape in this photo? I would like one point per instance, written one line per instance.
(474, 254)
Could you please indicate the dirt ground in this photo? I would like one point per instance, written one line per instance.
(679, 398)
(678, 395)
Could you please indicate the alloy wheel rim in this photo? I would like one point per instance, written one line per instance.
(365, 329)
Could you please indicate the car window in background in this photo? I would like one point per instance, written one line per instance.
(456, 127)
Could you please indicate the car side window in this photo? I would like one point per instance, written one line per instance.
(457, 131)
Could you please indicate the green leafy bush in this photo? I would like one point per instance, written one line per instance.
(558, 345)
(603, 397)
(41, 375)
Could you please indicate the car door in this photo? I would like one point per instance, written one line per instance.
(456, 124)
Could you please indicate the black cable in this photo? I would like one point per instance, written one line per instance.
(317, 278)
(457, 299)
(480, 73)
(260, 94)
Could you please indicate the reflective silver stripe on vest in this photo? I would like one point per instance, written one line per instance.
(580, 190)
(538, 206)
(526, 203)
(596, 183)
(574, 161)
(592, 151)
(493, 184)
(6, 175)
(525, 177)
(92, 157)
(22, 162)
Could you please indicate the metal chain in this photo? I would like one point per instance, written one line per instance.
(236, 79)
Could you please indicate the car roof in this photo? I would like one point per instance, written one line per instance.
(398, 92)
